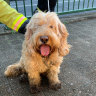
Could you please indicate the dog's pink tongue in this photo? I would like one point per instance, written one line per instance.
(45, 50)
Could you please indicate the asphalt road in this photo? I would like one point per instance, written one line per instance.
(79, 4)
(78, 70)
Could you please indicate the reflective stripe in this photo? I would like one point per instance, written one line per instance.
(21, 23)
(18, 22)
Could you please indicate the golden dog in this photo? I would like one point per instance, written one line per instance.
(43, 49)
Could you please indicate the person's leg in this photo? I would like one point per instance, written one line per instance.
(43, 5)
(52, 4)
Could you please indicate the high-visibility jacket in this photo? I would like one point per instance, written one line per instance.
(10, 17)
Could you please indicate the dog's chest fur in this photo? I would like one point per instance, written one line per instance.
(47, 63)
(39, 64)
(44, 64)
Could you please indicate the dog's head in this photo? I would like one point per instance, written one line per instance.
(46, 34)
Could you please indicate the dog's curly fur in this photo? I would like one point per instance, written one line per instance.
(32, 62)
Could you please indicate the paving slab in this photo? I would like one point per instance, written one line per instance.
(78, 70)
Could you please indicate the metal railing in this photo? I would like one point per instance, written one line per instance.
(73, 6)
(27, 7)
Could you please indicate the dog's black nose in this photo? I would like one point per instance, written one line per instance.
(44, 39)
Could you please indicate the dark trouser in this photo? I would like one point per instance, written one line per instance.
(43, 5)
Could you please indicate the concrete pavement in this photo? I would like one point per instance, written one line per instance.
(78, 70)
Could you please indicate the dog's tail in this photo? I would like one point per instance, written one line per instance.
(14, 70)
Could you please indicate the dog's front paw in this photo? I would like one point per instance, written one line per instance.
(35, 89)
(55, 86)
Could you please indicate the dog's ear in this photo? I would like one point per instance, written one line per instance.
(29, 32)
(64, 46)
(28, 40)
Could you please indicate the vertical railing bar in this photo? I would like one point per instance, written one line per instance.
(83, 4)
(73, 4)
(57, 6)
(88, 4)
(92, 3)
(68, 4)
(63, 6)
(24, 7)
(8, 1)
(78, 4)
(31, 7)
(16, 5)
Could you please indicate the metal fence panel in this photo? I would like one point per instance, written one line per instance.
(27, 7)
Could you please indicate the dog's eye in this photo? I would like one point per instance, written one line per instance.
(51, 26)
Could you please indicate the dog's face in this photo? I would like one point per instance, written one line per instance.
(46, 34)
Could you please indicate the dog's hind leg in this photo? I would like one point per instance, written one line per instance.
(14, 70)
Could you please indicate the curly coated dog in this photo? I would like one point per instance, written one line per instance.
(43, 49)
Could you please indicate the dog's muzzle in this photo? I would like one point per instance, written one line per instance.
(44, 48)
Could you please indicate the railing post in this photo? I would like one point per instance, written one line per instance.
(8, 1)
